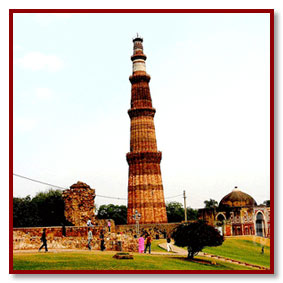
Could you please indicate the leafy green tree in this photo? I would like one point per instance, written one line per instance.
(25, 213)
(211, 203)
(116, 212)
(195, 236)
(50, 207)
(176, 212)
(266, 203)
(45, 209)
(192, 214)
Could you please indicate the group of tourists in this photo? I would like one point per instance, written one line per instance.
(144, 241)
(90, 237)
(90, 224)
(101, 235)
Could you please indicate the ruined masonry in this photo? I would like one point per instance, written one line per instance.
(145, 189)
(79, 203)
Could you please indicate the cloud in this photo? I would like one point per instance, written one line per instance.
(24, 124)
(38, 61)
(43, 93)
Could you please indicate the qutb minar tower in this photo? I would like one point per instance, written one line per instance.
(145, 189)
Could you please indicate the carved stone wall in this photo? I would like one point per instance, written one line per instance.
(79, 204)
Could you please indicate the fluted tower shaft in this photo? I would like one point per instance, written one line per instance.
(145, 189)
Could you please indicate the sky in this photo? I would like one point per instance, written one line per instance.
(209, 84)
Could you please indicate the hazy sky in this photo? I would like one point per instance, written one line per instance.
(209, 84)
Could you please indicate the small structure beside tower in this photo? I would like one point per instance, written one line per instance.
(79, 203)
(238, 214)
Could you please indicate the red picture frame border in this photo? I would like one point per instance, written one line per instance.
(268, 11)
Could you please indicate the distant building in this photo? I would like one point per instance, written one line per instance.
(238, 214)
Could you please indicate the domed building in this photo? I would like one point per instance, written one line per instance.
(237, 198)
(238, 214)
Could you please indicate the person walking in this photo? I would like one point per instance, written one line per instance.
(109, 225)
(44, 241)
(169, 247)
(102, 246)
(89, 224)
(63, 230)
(89, 238)
(141, 244)
(148, 244)
(119, 241)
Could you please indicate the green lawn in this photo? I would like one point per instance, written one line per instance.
(84, 260)
(155, 247)
(235, 248)
(242, 250)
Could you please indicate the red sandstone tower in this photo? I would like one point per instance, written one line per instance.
(145, 189)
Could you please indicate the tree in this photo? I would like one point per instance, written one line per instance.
(50, 207)
(195, 236)
(210, 203)
(25, 213)
(116, 212)
(192, 214)
(176, 212)
(266, 203)
(45, 209)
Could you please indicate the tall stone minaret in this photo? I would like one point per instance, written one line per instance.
(145, 189)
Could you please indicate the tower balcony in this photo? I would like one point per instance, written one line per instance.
(139, 77)
(144, 157)
(138, 112)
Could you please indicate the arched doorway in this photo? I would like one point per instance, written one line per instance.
(220, 223)
(259, 223)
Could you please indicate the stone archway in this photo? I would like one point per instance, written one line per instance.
(259, 224)
(220, 218)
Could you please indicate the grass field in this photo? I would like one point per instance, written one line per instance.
(243, 250)
(155, 247)
(85, 260)
(246, 249)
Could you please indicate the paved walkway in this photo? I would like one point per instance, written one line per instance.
(181, 251)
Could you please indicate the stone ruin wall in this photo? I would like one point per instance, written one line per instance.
(79, 204)
(76, 237)
(79, 207)
(160, 230)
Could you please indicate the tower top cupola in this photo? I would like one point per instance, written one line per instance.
(138, 38)
(138, 57)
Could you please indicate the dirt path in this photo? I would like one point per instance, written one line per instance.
(181, 251)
